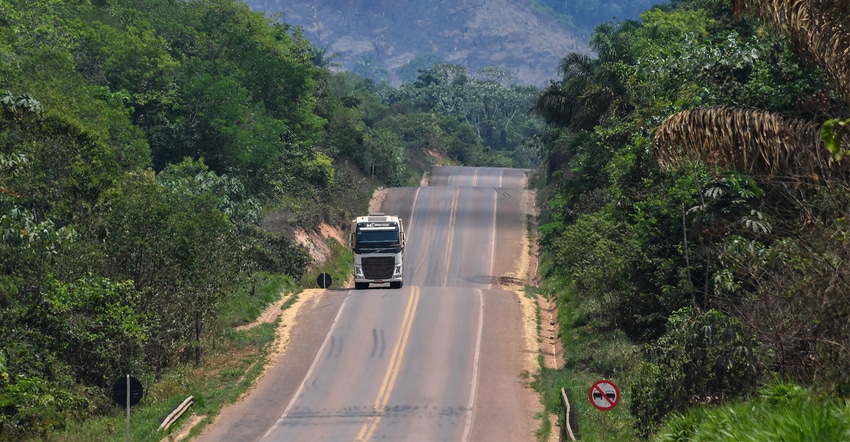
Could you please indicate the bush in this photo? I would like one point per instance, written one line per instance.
(784, 412)
(704, 358)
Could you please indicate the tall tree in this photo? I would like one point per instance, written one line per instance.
(591, 90)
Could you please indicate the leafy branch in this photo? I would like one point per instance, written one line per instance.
(832, 133)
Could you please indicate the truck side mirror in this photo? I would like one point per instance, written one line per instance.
(351, 240)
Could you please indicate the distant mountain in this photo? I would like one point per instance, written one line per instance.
(391, 40)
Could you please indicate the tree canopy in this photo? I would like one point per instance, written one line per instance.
(155, 156)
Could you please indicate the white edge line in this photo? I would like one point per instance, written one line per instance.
(493, 233)
(476, 364)
(410, 226)
(309, 372)
(468, 427)
(413, 210)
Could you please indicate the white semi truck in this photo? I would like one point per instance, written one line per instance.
(377, 241)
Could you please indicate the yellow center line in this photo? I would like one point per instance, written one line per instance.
(392, 371)
(450, 239)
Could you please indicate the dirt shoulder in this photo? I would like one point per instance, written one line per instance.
(539, 314)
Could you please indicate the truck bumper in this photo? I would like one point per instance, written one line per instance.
(378, 270)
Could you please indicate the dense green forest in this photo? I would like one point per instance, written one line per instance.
(144, 147)
(697, 214)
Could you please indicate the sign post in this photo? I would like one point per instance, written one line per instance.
(324, 280)
(127, 392)
(604, 395)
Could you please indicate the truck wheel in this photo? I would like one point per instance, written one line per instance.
(396, 285)
(361, 285)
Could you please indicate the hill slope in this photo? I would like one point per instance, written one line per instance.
(376, 38)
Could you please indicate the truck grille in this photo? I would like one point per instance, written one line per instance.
(378, 267)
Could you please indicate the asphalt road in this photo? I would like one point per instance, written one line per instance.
(437, 360)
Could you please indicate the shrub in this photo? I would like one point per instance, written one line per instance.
(704, 358)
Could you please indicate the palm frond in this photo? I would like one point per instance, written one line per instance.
(752, 141)
(555, 105)
(574, 64)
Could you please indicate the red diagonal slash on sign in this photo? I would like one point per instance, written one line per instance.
(602, 399)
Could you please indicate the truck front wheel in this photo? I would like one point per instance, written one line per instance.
(396, 284)
(361, 285)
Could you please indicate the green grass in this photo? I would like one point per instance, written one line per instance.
(590, 354)
(783, 413)
(219, 380)
(231, 363)
(251, 300)
(339, 266)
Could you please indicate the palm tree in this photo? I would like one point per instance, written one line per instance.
(612, 42)
(590, 91)
(559, 102)
(819, 31)
(321, 59)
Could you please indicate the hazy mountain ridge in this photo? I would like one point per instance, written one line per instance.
(472, 33)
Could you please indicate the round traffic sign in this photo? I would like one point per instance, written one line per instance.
(324, 280)
(604, 395)
(119, 391)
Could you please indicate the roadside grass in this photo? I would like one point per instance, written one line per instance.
(252, 299)
(339, 267)
(224, 374)
(591, 353)
(232, 362)
(783, 412)
(533, 294)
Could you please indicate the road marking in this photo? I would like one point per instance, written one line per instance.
(309, 372)
(450, 239)
(412, 212)
(410, 270)
(477, 359)
(473, 389)
(476, 362)
(493, 236)
(392, 371)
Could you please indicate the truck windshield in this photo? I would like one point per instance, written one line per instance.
(377, 238)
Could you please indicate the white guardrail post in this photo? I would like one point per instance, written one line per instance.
(176, 413)
(570, 419)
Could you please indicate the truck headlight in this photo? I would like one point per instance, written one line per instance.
(358, 271)
(397, 270)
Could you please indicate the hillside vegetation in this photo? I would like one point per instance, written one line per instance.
(155, 159)
(696, 225)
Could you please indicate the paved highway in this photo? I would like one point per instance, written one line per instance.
(439, 359)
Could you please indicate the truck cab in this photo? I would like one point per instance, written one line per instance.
(377, 241)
